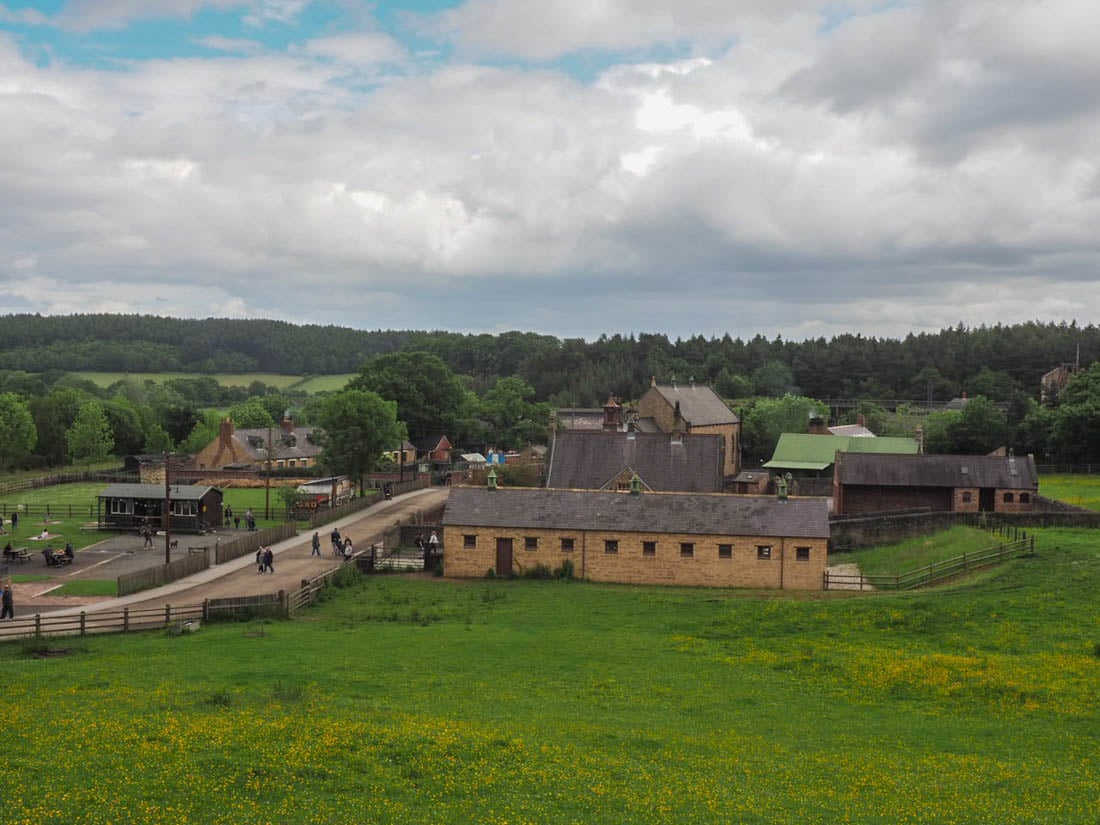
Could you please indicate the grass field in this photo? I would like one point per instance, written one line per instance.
(1081, 490)
(309, 383)
(413, 700)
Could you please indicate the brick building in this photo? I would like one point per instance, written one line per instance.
(638, 537)
(290, 446)
(870, 483)
(693, 409)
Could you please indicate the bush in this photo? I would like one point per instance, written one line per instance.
(539, 571)
(564, 570)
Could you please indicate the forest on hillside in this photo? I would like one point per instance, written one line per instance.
(1000, 362)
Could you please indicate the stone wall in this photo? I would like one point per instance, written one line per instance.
(668, 564)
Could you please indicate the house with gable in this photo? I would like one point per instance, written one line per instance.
(290, 446)
(695, 409)
(609, 459)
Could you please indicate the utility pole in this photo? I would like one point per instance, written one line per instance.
(167, 509)
(267, 479)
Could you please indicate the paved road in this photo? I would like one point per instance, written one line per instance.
(293, 560)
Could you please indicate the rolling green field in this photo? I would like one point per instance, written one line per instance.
(1081, 490)
(421, 700)
(308, 383)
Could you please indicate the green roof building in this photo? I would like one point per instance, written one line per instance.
(808, 454)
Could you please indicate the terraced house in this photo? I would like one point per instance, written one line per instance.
(639, 537)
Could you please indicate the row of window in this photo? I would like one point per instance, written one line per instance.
(125, 507)
(649, 548)
(1009, 498)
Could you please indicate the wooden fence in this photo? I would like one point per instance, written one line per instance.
(163, 573)
(243, 545)
(935, 572)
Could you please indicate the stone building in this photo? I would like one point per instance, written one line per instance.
(695, 409)
(639, 537)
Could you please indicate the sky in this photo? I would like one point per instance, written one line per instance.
(697, 167)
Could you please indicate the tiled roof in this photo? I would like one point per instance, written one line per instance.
(591, 460)
(303, 446)
(938, 471)
(712, 514)
(699, 404)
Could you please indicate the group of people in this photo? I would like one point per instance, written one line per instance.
(235, 519)
(431, 545)
(341, 545)
(265, 559)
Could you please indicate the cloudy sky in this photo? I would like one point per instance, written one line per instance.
(570, 167)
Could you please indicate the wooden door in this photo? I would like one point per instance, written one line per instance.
(504, 557)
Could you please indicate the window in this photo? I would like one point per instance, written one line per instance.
(764, 551)
(623, 487)
(469, 541)
(567, 545)
(802, 554)
(121, 506)
(649, 548)
(291, 463)
(610, 546)
(1025, 498)
(530, 542)
(725, 551)
(1009, 498)
(967, 498)
(183, 508)
(687, 549)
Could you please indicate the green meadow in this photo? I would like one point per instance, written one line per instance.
(1080, 490)
(308, 383)
(423, 700)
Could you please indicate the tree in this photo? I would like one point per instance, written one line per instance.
(126, 426)
(513, 420)
(770, 417)
(429, 395)
(976, 429)
(356, 426)
(89, 438)
(17, 432)
(53, 414)
(1077, 419)
(251, 414)
(774, 379)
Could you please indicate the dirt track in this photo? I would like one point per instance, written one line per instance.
(293, 559)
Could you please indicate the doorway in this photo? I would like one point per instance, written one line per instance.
(504, 557)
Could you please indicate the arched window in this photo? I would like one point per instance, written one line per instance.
(1025, 498)
(967, 498)
(1009, 498)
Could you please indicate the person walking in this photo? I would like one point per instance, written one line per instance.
(260, 559)
(14, 522)
(316, 544)
(433, 543)
(347, 548)
(269, 560)
(7, 605)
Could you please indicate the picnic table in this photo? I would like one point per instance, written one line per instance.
(18, 554)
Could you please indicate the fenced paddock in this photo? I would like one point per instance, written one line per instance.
(934, 572)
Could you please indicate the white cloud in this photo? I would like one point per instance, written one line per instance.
(903, 169)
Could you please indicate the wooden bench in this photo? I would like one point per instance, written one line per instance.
(20, 554)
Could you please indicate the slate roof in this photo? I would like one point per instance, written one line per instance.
(580, 418)
(587, 460)
(805, 451)
(179, 492)
(300, 445)
(699, 404)
(954, 471)
(694, 514)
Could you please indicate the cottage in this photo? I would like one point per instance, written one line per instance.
(638, 537)
(130, 506)
(693, 409)
(608, 460)
(949, 483)
(286, 446)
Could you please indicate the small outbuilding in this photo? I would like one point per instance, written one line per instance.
(131, 506)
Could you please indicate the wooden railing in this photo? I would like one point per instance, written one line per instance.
(934, 572)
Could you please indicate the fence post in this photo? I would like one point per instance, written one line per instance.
(125, 620)
(168, 614)
(37, 624)
(82, 625)
(205, 609)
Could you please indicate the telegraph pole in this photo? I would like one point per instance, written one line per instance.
(267, 479)
(167, 510)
